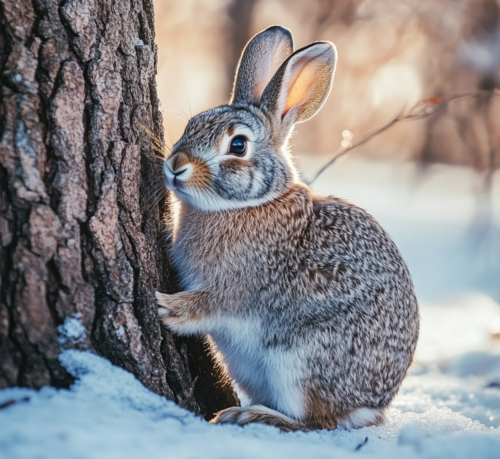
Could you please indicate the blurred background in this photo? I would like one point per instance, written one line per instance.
(433, 183)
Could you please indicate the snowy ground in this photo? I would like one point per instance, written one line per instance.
(448, 407)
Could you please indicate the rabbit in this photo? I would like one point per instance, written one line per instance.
(305, 299)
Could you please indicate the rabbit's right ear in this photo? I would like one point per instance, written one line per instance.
(301, 85)
(260, 60)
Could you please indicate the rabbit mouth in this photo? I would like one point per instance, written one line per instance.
(176, 180)
(177, 186)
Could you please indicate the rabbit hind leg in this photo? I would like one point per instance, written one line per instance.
(258, 413)
(362, 417)
(322, 413)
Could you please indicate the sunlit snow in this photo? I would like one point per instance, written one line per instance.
(448, 406)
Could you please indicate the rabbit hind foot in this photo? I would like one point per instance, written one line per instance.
(258, 413)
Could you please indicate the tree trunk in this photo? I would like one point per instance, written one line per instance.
(81, 242)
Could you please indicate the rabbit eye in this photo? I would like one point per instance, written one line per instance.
(238, 146)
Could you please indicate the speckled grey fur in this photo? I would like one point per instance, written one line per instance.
(306, 299)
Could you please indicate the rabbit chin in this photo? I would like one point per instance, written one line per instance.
(209, 201)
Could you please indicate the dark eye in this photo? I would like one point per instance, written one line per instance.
(238, 146)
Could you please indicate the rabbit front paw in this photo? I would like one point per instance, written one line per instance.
(172, 309)
(184, 312)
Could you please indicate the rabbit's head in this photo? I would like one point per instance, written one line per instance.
(236, 155)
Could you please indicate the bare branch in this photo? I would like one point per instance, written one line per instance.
(421, 110)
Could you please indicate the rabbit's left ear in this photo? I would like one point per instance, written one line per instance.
(301, 85)
(260, 60)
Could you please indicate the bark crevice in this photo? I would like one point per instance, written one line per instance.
(76, 240)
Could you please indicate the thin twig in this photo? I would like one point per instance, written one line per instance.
(421, 110)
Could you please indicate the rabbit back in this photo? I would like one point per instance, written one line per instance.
(316, 308)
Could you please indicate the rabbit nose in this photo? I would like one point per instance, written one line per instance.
(179, 162)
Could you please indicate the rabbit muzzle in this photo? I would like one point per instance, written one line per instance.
(177, 170)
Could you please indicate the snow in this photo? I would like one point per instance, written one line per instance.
(108, 413)
(72, 331)
(468, 322)
(448, 406)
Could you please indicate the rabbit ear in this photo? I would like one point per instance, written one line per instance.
(260, 59)
(301, 85)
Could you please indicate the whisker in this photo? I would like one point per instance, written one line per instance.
(186, 92)
(170, 137)
(177, 114)
(153, 189)
(206, 195)
(210, 199)
(152, 184)
(158, 145)
(214, 197)
(155, 199)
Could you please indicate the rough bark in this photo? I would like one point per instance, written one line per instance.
(79, 237)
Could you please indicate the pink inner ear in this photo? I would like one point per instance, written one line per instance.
(298, 82)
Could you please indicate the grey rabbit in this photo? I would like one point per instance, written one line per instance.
(305, 298)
